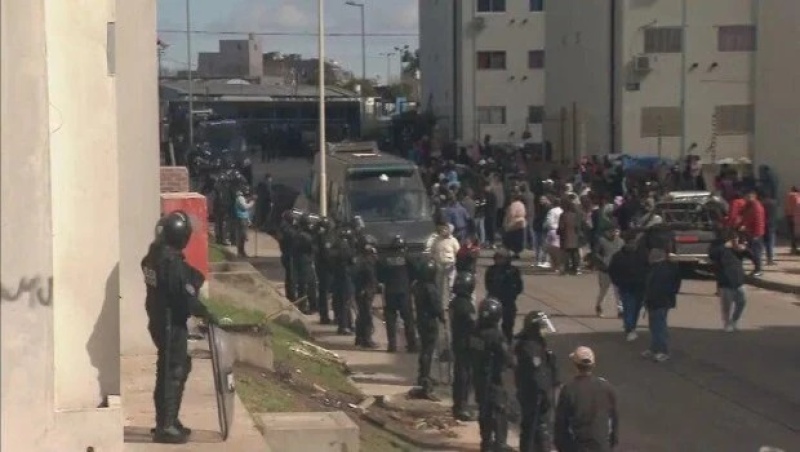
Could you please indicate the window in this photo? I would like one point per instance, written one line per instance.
(661, 122)
(535, 114)
(734, 119)
(491, 60)
(663, 40)
(736, 38)
(536, 59)
(537, 5)
(491, 6)
(492, 115)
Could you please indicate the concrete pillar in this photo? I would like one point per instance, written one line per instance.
(137, 138)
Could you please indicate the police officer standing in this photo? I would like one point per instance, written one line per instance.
(304, 248)
(491, 358)
(462, 325)
(326, 238)
(172, 288)
(504, 282)
(365, 282)
(536, 378)
(221, 206)
(286, 238)
(394, 272)
(430, 313)
(586, 415)
(343, 258)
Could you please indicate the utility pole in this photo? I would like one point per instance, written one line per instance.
(659, 139)
(360, 6)
(323, 176)
(189, 72)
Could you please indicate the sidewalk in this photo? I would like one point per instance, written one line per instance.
(199, 410)
(783, 277)
(375, 372)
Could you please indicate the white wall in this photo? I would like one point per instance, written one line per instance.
(137, 137)
(727, 84)
(516, 31)
(777, 98)
(437, 58)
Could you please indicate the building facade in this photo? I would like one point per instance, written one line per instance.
(74, 226)
(482, 68)
(652, 77)
(237, 58)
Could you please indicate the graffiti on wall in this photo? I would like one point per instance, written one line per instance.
(38, 290)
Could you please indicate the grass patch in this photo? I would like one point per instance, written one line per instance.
(374, 438)
(222, 308)
(215, 253)
(264, 395)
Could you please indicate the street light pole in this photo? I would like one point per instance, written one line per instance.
(323, 177)
(360, 6)
(189, 72)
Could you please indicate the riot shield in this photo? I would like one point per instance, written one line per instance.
(222, 359)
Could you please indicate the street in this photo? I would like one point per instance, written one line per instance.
(719, 391)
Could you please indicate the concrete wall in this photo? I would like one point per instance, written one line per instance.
(437, 60)
(578, 70)
(137, 138)
(777, 100)
(516, 31)
(174, 179)
(729, 83)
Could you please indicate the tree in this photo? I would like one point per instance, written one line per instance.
(409, 59)
(367, 86)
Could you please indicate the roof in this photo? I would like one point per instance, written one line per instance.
(371, 159)
(235, 90)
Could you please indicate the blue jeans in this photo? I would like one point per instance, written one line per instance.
(631, 308)
(757, 248)
(735, 298)
(539, 247)
(480, 230)
(659, 333)
(769, 245)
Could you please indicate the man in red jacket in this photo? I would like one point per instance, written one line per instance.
(754, 224)
(735, 209)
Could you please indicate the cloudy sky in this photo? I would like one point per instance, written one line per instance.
(282, 16)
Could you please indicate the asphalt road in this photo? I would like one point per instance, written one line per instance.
(720, 392)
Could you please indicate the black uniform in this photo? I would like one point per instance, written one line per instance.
(462, 325)
(394, 272)
(365, 282)
(536, 377)
(172, 288)
(343, 258)
(430, 313)
(286, 234)
(304, 252)
(221, 207)
(490, 359)
(504, 282)
(326, 240)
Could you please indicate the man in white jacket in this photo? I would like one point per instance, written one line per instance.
(444, 250)
(551, 234)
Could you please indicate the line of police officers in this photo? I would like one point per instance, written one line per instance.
(321, 258)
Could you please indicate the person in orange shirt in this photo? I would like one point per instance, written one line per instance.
(791, 208)
(735, 211)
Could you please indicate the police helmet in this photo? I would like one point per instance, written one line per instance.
(175, 229)
(464, 284)
(346, 233)
(325, 224)
(369, 242)
(536, 321)
(398, 243)
(427, 270)
(490, 311)
(502, 255)
(358, 223)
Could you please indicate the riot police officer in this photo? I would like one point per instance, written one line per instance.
(304, 249)
(394, 273)
(365, 282)
(172, 288)
(343, 257)
(504, 282)
(462, 325)
(430, 313)
(221, 205)
(286, 234)
(490, 359)
(326, 238)
(536, 378)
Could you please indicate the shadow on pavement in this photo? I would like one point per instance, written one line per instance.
(141, 435)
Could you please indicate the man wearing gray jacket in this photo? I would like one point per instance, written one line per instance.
(606, 247)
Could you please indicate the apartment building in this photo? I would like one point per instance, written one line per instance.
(483, 66)
(657, 77)
(237, 58)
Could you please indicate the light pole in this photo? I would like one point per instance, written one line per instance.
(360, 6)
(323, 177)
(388, 56)
(189, 72)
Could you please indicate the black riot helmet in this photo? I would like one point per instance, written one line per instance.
(326, 224)
(358, 223)
(369, 242)
(346, 233)
(464, 284)
(427, 270)
(175, 229)
(398, 243)
(537, 321)
(490, 312)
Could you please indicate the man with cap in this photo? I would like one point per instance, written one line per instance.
(586, 414)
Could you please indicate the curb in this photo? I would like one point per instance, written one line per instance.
(773, 285)
(416, 441)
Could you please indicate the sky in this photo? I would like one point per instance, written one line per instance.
(271, 16)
